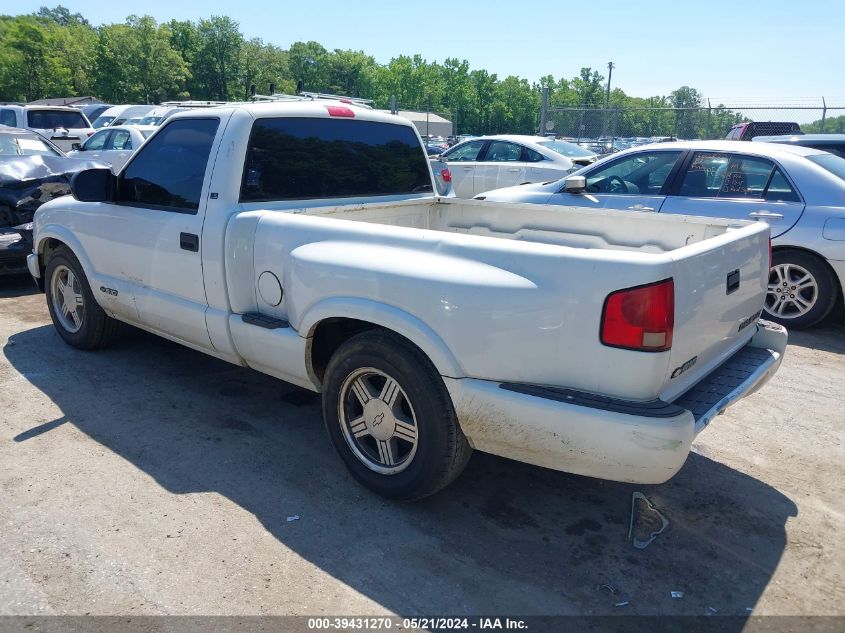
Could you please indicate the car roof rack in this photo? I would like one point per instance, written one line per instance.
(194, 104)
(312, 96)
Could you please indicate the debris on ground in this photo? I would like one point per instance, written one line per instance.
(677, 594)
(293, 517)
(610, 588)
(622, 604)
(664, 522)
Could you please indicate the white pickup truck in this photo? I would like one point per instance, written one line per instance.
(303, 239)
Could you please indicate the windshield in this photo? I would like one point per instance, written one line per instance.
(834, 164)
(150, 120)
(102, 121)
(50, 119)
(567, 149)
(24, 146)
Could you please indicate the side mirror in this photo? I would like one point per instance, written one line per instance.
(93, 185)
(77, 147)
(574, 184)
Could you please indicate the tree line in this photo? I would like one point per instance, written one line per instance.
(56, 53)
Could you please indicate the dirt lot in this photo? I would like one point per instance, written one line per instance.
(150, 479)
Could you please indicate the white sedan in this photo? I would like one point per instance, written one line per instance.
(491, 162)
(113, 145)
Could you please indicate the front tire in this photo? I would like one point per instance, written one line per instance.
(802, 289)
(76, 315)
(391, 419)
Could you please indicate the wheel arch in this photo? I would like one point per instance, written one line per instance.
(330, 323)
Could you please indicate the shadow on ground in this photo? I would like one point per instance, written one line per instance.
(827, 336)
(505, 538)
(17, 286)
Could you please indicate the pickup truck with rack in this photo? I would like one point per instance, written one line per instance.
(303, 238)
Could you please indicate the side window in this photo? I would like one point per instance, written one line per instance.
(722, 175)
(780, 190)
(501, 151)
(465, 152)
(120, 140)
(532, 156)
(168, 172)
(96, 142)
(7, 117)
(644, 172)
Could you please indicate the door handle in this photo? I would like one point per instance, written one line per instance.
(640, 207)
(765, 215)
(189, 242)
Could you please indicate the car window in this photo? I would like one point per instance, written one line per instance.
(724, 175)
(120, 140)
(780, 189)
(102, 121)
(834, 164)
(168, 172)
(567, 149)
(642, 172)
(49, 119)
(502, 151)
(310, 158)
(533, 156)
(7, 117)
(98, 141)
(464, 152)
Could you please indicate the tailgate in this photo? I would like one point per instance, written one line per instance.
(720, 286)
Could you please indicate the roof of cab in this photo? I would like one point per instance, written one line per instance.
(745, 147)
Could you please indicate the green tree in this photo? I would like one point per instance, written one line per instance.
(216, 63)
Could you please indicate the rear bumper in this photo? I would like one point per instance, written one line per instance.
(638, 442)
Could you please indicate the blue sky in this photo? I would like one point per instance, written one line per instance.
(748, 51)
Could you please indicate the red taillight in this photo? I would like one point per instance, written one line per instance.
(641, 318)
(340, 111)
(446, 174)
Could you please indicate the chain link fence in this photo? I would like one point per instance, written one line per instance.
(700, 122)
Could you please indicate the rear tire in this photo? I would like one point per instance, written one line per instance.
(76, 315)
(390, 417)
(802, 289)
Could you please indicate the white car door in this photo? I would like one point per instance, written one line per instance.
(501, 166)
(633, 182)
(463, 163)
(737, 186)
(94, 147)
(118, 149)
(155, 224)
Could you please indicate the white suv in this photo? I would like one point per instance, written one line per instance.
(63, 126)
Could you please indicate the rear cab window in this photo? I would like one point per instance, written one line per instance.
(7, 117)
(50, 119)
(294, 158)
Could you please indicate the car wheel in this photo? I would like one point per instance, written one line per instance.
(390, 418)
(802, 290)
(77, 317)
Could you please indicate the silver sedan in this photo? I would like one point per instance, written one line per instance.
(799, 191)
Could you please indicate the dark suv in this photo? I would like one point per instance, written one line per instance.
(748, 130)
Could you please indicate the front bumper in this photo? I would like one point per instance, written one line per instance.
(13, 252)
(638, 442)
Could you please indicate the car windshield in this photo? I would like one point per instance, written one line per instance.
(834, 164)
(567, 149)
(16, 145)
(50, 119)
(150, 120)
(102, 121)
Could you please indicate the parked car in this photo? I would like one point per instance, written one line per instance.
(270, 236)
(799, 191)
(118, 115)
(489, 162)
(113, 144)
(63, 126)
(159, 114)
(32, 171)
(833, 143)
(93, 110)
(748, 130)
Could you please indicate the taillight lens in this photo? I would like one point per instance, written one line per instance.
(640, 318)
(446, 174)
(341, 111)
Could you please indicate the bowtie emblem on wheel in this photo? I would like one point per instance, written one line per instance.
(378, 419)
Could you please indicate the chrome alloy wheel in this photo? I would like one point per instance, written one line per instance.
(378, 421)
(68, 301)
(792, 291)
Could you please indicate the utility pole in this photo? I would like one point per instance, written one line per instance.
(610, 67)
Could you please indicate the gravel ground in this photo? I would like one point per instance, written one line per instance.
(151, 479)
